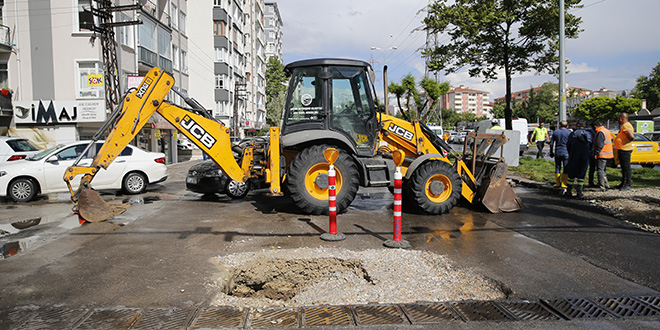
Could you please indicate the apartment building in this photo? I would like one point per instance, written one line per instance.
(55, 72)
(462, 99)
(228, 61)
(273, 31)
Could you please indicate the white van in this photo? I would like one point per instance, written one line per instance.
(437, 130)
(519, 124)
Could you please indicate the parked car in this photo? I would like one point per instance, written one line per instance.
(184, 144)
(207, 178)
(645, 152)
(452, 136)
(15, 148)
(653, 136)
(43, 172)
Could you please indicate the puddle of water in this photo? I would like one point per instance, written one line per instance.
(140, 200)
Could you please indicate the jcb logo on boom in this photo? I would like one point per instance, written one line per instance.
(402, 132)
(198, 132)
(144, 87)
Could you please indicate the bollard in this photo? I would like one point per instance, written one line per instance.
(331, 155)
(398, 157)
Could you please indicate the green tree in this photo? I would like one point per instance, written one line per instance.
(542, 103)
(275, 91)
(649, 88)
(434, 91)
(408, 90)
(489, 35)
(606, 108)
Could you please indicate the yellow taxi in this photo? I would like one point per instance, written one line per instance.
(645, 152)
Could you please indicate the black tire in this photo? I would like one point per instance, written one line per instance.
(310, 197)
(22, 190)
(435, 187)
(134, 183)
(237, 190)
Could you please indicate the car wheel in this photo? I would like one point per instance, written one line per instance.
(134, 183)
(236, 190)
(22, 190)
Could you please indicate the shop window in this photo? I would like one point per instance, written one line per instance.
(89, 73)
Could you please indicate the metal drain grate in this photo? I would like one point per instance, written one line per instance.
(218, 318)
(12, 319)
(528, 311)
(578, 309)
(481, 311)
(163, 319)
(429, 313)
(326, 316)
(627, 307)
(55, 318)
(653, 301)
(271, 318)
(378, 315)
(110, 319)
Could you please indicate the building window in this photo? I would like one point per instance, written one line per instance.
(182, 22)
(4, 76)
(184, 61)
(126, 37)
(174, 15)
(82, 15)
(219, 28)
(89, 73)
(221, 54)
(220, 81)
(175, 57)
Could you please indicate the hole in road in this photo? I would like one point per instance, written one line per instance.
(282, 279)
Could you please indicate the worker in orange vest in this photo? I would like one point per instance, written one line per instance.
(603, 151)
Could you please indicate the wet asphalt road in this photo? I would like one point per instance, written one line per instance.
(159, 253)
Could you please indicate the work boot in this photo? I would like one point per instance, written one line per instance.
(557, 180)
(568, 191)
(564, 180)
(578, 192)
(625, 188)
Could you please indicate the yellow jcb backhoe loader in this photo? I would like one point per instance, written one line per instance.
(329, 103)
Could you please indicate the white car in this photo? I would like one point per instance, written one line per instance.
(15, 148)
(43, 173)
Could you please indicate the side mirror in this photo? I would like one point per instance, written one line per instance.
(52, 159)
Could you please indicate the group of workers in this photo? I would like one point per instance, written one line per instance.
(587, 148)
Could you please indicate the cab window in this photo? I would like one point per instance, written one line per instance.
(306, 97)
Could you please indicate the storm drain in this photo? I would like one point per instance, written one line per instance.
(33, 317)
(226, 317)
(481, 311)
(110, 319)
(326, 316)
(371, 315)
(163, 318)
(579, 309)
(429, 313)
(271, 318)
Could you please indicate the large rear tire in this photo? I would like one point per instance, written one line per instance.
(307, 180)
(435, 187)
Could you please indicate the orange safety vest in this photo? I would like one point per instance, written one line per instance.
(607, 152)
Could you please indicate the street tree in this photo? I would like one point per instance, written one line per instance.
(275, 91)
(605, 108)
(408, 90)
(649, 88)
(434, 91)
(488, 36)
(542, 104)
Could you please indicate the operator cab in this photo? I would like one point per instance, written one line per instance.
(331, 99)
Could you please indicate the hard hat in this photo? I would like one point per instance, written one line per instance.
(495, 122)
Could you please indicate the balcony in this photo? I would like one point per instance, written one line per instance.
(5, 42)
(148, 57)
(165, 64)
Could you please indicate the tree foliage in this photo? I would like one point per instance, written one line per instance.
(542, 104)
(415, 105)
(649, 88)
(275, 91)
(606, 108)
(487, 36)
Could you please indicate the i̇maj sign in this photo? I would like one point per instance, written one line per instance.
(59, 112)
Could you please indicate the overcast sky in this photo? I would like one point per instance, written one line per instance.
(620, 41)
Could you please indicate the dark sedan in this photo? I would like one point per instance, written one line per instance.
(207, 178)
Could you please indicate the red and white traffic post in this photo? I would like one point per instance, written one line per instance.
(331, 155)
(398, 156)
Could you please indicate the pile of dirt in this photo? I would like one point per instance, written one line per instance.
(639, 206)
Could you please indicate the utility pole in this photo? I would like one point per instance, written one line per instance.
(105, 31)
(562, 65)
(239, 90)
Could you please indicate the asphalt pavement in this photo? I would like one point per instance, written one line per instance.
(156, 261)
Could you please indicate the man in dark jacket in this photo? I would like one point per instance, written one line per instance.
(580, 149)
(559, 151)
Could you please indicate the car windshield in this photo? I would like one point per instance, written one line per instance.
(640, 137)
(41, 155)
(21, 145)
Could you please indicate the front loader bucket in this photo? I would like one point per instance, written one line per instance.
(93, 208)
(495, 192)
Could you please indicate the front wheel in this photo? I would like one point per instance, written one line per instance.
(236, 190)
(22, 190)
(307, 180)
(135, 183)
(435, 187)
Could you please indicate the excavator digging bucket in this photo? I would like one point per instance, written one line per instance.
(92, 208)
(496, 194)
